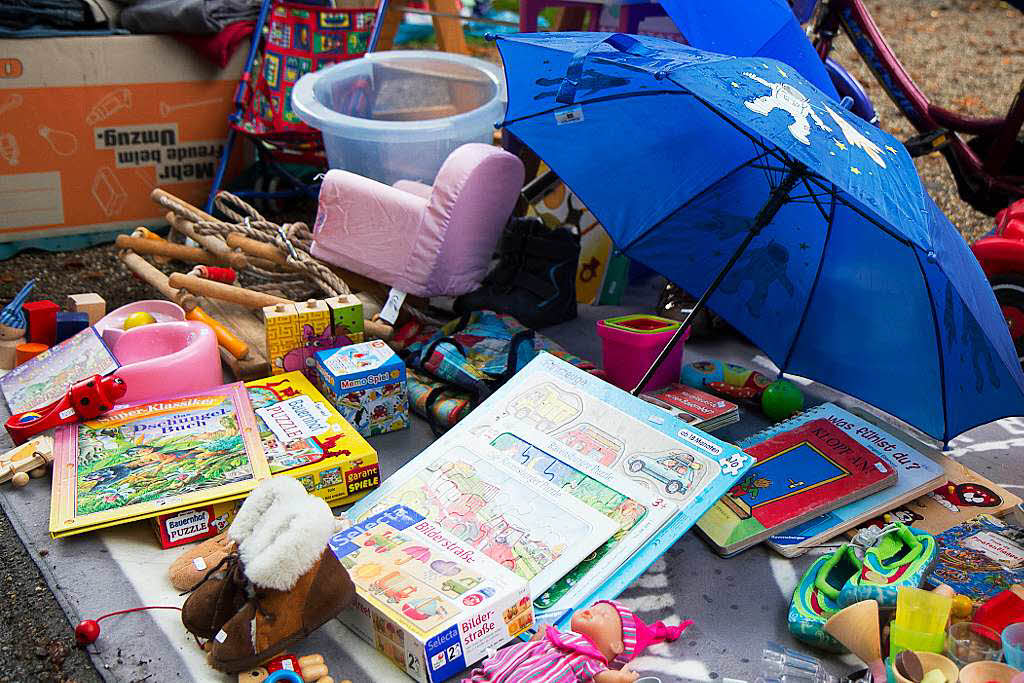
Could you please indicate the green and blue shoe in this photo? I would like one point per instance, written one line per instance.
(816, 597)
(900, 556)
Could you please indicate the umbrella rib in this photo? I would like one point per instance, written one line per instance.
(685, 204)
(938, 348)
(826, 215)
(606, 98)
(829, 220)
(852, 207)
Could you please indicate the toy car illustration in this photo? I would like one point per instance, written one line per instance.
(460, 586)
(546, 406)
(677, 471)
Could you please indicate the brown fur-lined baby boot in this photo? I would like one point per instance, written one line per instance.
(221, 590)
(192, 566)
(295, 584)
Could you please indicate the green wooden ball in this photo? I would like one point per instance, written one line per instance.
(782, 399)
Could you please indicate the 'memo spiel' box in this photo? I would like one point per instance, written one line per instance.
(431, 603)
(304, 437)
(366, 383)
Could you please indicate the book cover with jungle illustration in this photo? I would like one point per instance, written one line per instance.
(154, 457)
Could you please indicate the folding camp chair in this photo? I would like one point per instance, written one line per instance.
(290, 40)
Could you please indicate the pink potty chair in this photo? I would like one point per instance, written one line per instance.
(166, 359)
(423, 240)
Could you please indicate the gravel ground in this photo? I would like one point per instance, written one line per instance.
(965, 55)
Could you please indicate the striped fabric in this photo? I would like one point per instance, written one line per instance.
(555, 658)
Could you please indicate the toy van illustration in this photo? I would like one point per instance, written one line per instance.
(547, 406)
(592, 443)
(677, 470)
(461, 585)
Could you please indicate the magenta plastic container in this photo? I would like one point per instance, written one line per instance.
(630, 343)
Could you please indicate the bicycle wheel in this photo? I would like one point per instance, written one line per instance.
(1009, 291)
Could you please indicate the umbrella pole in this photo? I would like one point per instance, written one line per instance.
(778, 197)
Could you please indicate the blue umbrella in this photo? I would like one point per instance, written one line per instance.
(807, 229)
(764, 28)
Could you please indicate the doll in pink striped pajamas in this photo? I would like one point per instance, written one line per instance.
(604, 639)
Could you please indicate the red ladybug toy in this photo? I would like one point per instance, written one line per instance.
(86, 399)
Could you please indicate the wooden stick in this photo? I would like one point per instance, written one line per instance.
(212, 243)
(217, 290)
(144, 232)
(156, 279)
(377, 329)
(152, 276)
(263, 250)
(169, 202)
(142, 245)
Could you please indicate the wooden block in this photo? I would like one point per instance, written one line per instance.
(91, 303)
(28, 351)
(70, 323)
(42, 321)
(8, 353)
(283, 334)
(346, 315)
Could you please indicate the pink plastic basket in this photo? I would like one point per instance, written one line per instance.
(630, 343)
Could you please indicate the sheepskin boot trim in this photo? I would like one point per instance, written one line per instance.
(286, 541)
(259, 502)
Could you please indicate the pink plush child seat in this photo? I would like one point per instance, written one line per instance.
(423, 240)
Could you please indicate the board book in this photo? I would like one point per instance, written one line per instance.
(960, 495)
(694, 407)
(649, 473)
(304, 437)
(917, 474)
(980, 557)
(153, 457)
(42, 380)
(798, 474)
(425, 598)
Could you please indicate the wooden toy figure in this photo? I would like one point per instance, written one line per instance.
(310, 668)
(604, 639)
(12, 318)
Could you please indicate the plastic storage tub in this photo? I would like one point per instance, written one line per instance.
(397, 115)
(630, 343)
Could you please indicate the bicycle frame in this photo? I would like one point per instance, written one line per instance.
(982, 167)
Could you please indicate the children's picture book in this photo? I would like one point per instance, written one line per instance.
(917, 474)
(961, 494)
(798, 474)
(649, 474)
(47, 377)
(637, 512)
(980, 557)
(695, 407)
(153, 457)
(491, 505)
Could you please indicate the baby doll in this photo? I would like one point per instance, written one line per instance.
(603, 640)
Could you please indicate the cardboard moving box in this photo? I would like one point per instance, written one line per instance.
(90, 125)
